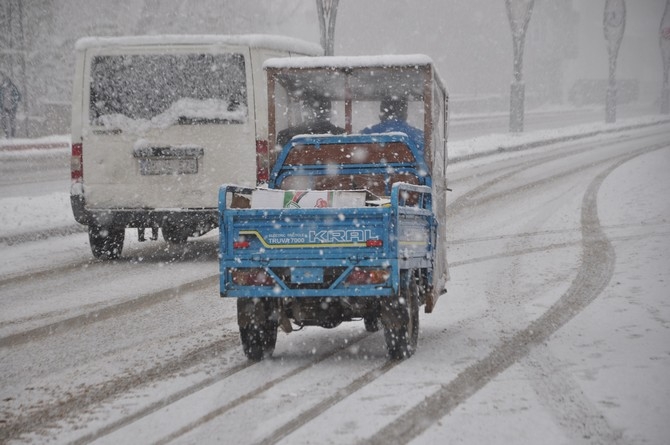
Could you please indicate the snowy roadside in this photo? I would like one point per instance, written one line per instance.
(496, 143)
(27, 214)
(51, 213)
(27, 217)
(23, 144)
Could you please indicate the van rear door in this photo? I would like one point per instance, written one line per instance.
(164, 127)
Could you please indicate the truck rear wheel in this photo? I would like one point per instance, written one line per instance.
(401, 319)
(106, 242)
(258, 322)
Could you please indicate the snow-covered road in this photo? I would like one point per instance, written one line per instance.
(555, 330)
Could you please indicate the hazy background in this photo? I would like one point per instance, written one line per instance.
(470, 41)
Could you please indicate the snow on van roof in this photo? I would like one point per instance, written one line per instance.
(252, 40)
(348, 61)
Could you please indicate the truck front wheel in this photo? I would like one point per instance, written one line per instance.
(371, 322)
(258, 322)
(106, 242)
(175, 233)
(400, 317)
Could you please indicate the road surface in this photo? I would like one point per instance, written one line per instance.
(555, 329)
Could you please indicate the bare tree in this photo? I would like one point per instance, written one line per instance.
(614, 24)
(13, 52)
(665, 53)
(327, 11)
(518, 13)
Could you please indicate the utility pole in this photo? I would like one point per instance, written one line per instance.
(518, 13)
(664, 42)
(614, 24)
(13, 52)
(327, 11)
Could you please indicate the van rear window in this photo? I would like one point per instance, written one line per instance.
(168, 89)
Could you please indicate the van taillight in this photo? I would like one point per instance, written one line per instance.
(77, 163)
(262, 162)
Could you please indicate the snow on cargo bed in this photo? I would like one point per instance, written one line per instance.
(348, 61)
(304, 199)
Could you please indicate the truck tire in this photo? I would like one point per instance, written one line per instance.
(258, 322)
(371, 323)
(401, 319)
(106, 242)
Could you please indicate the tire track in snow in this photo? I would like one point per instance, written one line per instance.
(289, 427)
(548, 248)
(153, 252)
(554, 232)
(540, 182)
(108, 390)
(561, 394)
(107, 312)
(468, 198)
(577, 417)
(85, 397)
(31, 275)
(42, 234)
(321, 407)
(170, 399)
(597, 268)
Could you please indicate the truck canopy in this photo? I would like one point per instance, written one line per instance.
(355, 87)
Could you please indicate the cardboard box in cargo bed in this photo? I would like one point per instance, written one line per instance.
(305, 199)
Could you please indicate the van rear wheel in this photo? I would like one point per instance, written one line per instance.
(106, 242)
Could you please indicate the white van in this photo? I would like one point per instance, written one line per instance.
(159, 122)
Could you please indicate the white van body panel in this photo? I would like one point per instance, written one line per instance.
(113, 175)
(152, 137)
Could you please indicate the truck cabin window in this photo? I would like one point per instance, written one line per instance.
(168, 89)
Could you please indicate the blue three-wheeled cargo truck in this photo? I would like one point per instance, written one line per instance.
(348, 220)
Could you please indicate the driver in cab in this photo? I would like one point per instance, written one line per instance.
(317, 110)
(393, 117)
